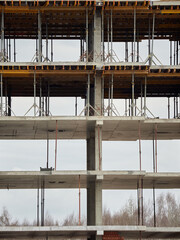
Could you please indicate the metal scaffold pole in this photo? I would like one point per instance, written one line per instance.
(14, 50)
(126, 51)
(168, 107)
(108, 36)
(47, 42)
(145, 93)
(76, 106)
(1, 94)
(9, 50)
(102, 37)
(51, 48)
(111, 37)
(152, 45)
(134, 47)
(55, 165)
(87, 33)
(42, 203)
(2, 36)
(88, 95)
(102, 111)
(38, 206)
(170, 52)
(79, 200)
(132, 104)
(112, 88)
(39, 38)
(34, 93)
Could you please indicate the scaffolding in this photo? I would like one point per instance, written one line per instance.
(99, 76)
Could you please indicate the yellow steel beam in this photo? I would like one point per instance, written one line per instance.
(171, 11)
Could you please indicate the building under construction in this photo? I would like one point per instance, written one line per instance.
(97, 76)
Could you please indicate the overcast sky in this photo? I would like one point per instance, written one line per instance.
(31, 155)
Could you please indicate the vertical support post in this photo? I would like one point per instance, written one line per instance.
(34, 93)
(14, 50)
(87, 45)
(138, 199)
(140, 164)
(102, 96)
(111, 37)
(1, 95)
(6, 100)
(75, 106)
(142, 204)
(177, 54)
(51, 48)
(47, 160)
(102, 37)
(56, 146)
(88, 95)
(154, 205)
(81, 49)
(38, 206)
(6, 49)
(9, 104)
(145, 92)
(137, 51)
(168, 107)
(132, 105)
(109, 98)
(155, 148)
(152, 47)
(170, 52)
(141, 98)
(125, 107)
(10, 50)
(149, 43)
(154, 170)
(108, 35)
(2, 36)
(176, 107)
(42, 203)
(79, 200)
(46, 41)
(134, 35)
(94, 162)
(48, 99)
(174, 53)
(40, 98)
(126, 51)
(112, 86)
(132, 48)
(39, 38)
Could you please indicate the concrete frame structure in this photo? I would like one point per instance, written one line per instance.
(95, 77)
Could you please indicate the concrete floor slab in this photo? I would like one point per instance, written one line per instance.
(70, 179)
(113, 129)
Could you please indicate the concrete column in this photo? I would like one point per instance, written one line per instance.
(94, 135)
(94, 162)
(98, 93)
(94, 38)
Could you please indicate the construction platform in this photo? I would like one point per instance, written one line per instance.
(69, 79)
